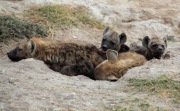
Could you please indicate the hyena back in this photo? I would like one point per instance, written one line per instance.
(116, 65)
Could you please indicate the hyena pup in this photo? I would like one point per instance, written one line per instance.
(117, 64)
(152, 48)
(65, 57)
(112, 40)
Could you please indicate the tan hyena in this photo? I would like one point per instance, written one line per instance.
(65, 57)
(116, 65)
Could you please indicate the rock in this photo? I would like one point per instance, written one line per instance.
(13, 81)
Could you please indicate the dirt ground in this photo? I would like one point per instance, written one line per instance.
(29, 85)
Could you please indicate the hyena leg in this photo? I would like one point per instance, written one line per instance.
(55, 66)
(69, 70)
(84, 67)
(63, 69)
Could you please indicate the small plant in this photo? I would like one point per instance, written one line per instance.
(144, 106)
(140, 39)
(63, 15)
(10, 27)
(170, 38)
(119, 108)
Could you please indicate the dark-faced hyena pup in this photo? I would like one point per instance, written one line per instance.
(112, 40)
(65, 57)
(117, 64)
(152, 48)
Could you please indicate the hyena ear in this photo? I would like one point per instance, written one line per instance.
(165, 41)
(122, 38)
(31, 46)
(106, 30)
(124, 48)
(112, 55)
(145, 41)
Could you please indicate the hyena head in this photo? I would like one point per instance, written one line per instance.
(155, 46)
(111, 40)
(23, 51)
(108, 68)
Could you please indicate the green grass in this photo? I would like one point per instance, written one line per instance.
(119, 108)
(63, 15)
(11, 27)
(163, 86)
(144, 106)
(136, 106)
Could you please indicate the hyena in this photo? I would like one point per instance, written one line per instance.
(112, 40)
(117, 64)
(152, 48)
(65, 57)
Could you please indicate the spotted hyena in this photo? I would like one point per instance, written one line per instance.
(112, 40)
(152, 48)
(65, 57)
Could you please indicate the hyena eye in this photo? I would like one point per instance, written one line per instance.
(104, 40)
(154, 46)
(162, 46)
(112, 43)
(20, 48)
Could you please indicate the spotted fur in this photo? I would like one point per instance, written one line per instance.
(117, 65)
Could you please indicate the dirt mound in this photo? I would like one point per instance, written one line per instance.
(31, 85)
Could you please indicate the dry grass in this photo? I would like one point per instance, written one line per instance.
(162, 86)
(63, 15)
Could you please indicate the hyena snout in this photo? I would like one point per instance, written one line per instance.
(15, 55)
(104, 47)
(11, 56)
(108, 44)
(158, 48)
